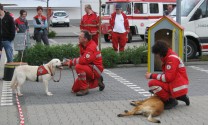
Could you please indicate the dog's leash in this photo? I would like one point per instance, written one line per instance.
(72, 73)
(59, 77)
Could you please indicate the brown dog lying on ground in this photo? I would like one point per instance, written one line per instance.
(149, 107)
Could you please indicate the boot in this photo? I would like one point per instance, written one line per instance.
(82, 92)
(101, 84)
(169, 104)
(185, 99)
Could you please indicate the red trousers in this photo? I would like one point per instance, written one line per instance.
(95, 38)
(161, 89)
(119, 39)
(87, 78)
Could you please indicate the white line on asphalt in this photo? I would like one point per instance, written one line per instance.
(127, 83)
(6, 98)
(199, 69)
(6, 95)
(76, 33)
(5, 104)
(52, 41)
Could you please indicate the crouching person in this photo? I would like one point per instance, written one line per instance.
(172, 84)
(88, 66)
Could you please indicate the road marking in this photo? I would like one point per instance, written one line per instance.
(199, 69)
(52, 41)
(6, 94)
(127, 83)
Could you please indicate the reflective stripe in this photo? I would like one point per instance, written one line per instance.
(90, 25)
(98, 55)
(77, 61)
(157, 90)
(154, 87)
(163, 78)
(81, 78)
(181, 62)
(96, 68)
(180, 88)
(158, 76)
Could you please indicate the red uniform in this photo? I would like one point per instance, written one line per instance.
(88, 67)
(118, 38)
(173, 82)
(90, 23)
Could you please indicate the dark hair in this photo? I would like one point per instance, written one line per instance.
(87, 35)
(160, 47)
(22, 11)
(1, 7)
(39, 8)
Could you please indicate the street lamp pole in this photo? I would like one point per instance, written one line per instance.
(48, 15)
(99, 41)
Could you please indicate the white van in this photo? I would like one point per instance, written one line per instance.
(194, 18)
(140, 14)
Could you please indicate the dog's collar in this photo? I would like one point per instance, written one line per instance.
(50, 71)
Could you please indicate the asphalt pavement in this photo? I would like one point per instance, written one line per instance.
(123, 85)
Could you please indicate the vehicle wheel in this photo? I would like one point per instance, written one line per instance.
(106, 38)
(142, 37)
(68, 24)
(129, 37)
(53, 25)
(191, 49)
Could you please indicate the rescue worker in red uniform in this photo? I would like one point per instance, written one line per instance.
(119, 28)
(172, 84)
(90, 23)
(88, 66)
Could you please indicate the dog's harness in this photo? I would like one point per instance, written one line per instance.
(42, 71)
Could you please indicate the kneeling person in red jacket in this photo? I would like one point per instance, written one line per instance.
(172, 84)
(88, 66)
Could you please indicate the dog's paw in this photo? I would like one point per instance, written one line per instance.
(126, 111)
(49, 93)
(120, 115)
(133, 103)
(20, 94)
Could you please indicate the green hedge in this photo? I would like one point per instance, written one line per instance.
(40, 54)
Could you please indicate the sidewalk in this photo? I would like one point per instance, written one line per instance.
(97, 108)
(72, 31)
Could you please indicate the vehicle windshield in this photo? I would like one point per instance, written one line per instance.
(59, 14)
(110, 8)
(186, 7)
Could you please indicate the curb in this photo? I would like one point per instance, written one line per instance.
(145, 65)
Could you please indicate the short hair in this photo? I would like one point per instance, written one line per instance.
(1, 7)
(87, 35)
(88, 6)
(160, 47)
(22, 11)
(39, 8)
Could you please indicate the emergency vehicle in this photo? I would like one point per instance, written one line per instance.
(194, 19)
(140, 14)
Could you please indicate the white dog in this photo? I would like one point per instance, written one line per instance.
(27, 72)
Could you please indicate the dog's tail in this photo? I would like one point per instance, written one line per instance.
(151, 119)
(14, 81)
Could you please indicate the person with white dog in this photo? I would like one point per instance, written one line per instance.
(88, 66)
(172, 84)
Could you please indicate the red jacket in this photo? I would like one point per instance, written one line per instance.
(89, 55)
(174, 74)
(90, 23)
(112, 21)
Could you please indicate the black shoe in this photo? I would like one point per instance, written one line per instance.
(185, 99)
(101, 84)
(170, 103)
(82, 92)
